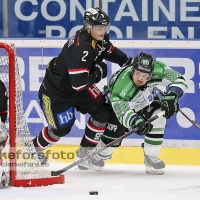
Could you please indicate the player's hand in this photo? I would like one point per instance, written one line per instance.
(100, 69)
(139, 122)
(169, 103)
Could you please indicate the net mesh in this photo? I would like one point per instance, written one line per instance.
(27, 164)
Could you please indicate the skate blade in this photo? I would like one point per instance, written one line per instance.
(151, 170)
(82, 166)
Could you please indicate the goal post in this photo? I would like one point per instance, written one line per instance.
(20, 138)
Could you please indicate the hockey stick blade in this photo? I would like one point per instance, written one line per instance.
(92, 153)
(192, 121)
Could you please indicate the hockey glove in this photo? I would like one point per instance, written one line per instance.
(169, 103)
(128, 62)
(101, 70)
(143, 128)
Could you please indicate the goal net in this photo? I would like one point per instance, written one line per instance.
(24, 169)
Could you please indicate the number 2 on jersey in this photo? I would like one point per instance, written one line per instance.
(85, 53)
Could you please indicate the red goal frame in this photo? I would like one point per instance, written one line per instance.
(12, 129)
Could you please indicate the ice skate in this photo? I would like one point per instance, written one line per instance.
(153, 165)
(41, 156)
(4, 175)
(94, 163)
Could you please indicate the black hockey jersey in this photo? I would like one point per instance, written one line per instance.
(3, 102)
(69, 73)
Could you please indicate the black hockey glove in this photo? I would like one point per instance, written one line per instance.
(101, 70)
(139, 122)
(169, 103)
(128, 62)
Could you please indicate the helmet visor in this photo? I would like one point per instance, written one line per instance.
(103, 27)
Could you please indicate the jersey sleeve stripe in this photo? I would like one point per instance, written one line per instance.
(79, 88)
(78, 71)
(3, 112)
(179, 83)
(127, 118)
(111, 49)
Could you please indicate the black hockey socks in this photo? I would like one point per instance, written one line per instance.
(44, 139)
(93, 133)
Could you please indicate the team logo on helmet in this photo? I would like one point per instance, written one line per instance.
(145, 62)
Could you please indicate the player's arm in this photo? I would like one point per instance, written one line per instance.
(129, 118)
(173, 80)
(115, 55)
(176, 87)
(123, 109)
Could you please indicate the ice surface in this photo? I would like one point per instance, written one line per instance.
(116, 182)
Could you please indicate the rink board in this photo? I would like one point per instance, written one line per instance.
(130, 155)
(182, 55)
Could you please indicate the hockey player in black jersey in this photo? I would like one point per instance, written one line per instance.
(3, 117)
(69, 84)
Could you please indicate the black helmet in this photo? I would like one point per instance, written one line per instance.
(95, 16)
(143, 63)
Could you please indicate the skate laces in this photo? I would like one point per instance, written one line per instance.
(82, 152)
(154, 159)
(94, 157)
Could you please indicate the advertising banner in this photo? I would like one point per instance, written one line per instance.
(33, 61)
(128, 18)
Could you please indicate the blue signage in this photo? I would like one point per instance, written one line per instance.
(128, 18)
(33, 63)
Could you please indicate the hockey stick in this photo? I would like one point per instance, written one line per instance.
(192, 121)
(92, 153)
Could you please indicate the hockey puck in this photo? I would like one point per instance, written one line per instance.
(93, 193)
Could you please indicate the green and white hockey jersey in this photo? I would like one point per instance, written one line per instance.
(127, 98)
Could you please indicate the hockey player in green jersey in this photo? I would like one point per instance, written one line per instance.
(130, 93)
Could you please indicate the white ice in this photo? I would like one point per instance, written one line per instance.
(122, 182)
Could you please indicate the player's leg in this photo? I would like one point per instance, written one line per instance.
(92, 102)
(153, 142)
(114, 130)
(93, 132)
(96, 125)
(60, 118)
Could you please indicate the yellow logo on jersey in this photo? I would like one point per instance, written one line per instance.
(93, 44)
(47, 110)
